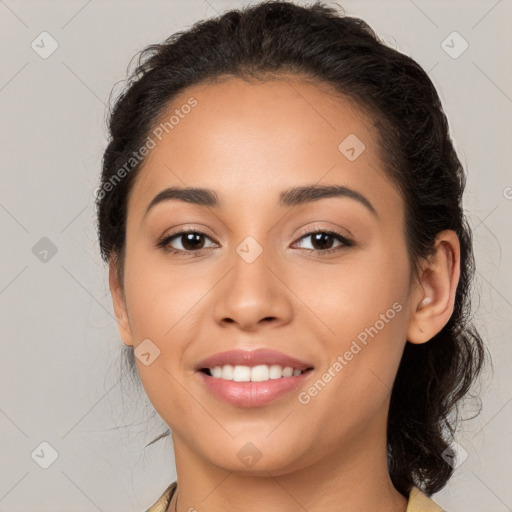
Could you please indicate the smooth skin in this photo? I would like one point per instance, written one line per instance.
(248, 142)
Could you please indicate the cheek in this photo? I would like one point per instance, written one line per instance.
(161, 297)
(167, 305)
(364, 304)
(360, 369)
(164, 305)
(349, 296)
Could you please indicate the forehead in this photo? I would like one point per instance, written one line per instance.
(253, 139)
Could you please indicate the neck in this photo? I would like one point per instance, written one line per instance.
(353, 478)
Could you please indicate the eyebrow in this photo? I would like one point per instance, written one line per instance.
(291, 197)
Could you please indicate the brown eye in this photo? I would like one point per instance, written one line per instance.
(190, 241)
(322, 241)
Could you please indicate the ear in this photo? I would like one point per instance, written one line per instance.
(434, 298)
(119, 302)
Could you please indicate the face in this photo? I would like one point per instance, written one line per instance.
(323, 280)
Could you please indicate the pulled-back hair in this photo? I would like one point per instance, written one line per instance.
(324, 46)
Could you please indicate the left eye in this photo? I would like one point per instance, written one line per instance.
(323, 238)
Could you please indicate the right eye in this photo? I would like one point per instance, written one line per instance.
(190, 242)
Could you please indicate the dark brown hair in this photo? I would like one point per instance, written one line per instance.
(327, 47)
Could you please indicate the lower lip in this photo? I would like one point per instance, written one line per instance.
(252, 394)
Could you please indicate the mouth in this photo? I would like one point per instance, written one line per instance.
(255, 386)
(252, 378)
(257, 373)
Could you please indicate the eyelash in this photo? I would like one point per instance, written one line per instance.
(163, 243)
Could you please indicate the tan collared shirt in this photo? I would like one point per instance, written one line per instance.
(418, 502)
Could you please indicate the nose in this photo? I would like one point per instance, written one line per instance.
(253, 294)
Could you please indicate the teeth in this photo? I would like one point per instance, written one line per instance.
(258, 373)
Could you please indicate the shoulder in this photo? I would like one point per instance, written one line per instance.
(163, 502)
(420, 502)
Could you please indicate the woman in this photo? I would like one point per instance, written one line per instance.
(281, 210)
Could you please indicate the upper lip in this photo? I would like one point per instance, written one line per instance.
(252, 358)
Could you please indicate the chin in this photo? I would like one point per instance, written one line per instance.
(257, 458)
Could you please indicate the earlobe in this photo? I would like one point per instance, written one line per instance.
(119, 302)
(433, 302)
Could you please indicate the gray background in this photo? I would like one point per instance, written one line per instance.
(59, 370)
